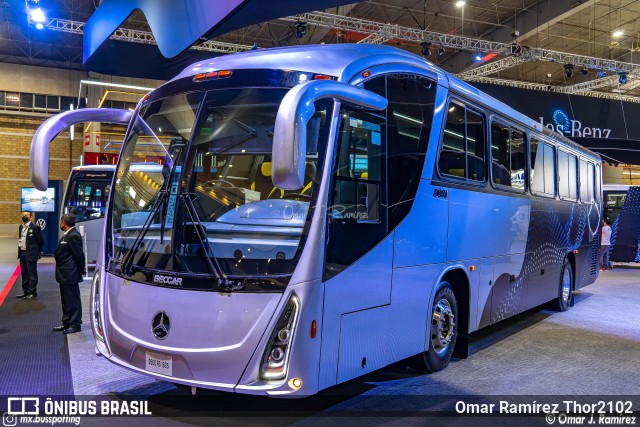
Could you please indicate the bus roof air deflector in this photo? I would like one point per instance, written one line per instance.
(39, 159)
(290, 132)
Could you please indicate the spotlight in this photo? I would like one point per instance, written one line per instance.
(441, 50)
(568, 70)
(584, 71)
(622, 78)
(478, 56)
(37, 15)
(425, 48)
(602, 73)
(548, 75)
(301, 29)
(39, 26)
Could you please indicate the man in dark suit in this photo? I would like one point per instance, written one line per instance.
(30, 244)
(70, 266)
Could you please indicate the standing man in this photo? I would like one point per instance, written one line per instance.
(30, 244)
(70, 266)
(605, 244)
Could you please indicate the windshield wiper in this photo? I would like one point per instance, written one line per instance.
(211, 260)
(161, 201)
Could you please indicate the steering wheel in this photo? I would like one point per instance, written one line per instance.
(294, 195)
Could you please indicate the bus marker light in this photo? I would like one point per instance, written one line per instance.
(472, 268)
(314, 329)
(295, 383)
(322, 77)
(366, 73)
(225, 73)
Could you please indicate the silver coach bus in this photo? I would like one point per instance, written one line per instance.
(324, 211)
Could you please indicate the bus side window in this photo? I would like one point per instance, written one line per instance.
(584, 179)
(567, 175)
(410, 114)
(591, 181)
(358, 169)
(537, 166)
(501, 154)
(549, 169)
(462, 153)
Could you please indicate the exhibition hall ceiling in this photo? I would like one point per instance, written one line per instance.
(605, 29)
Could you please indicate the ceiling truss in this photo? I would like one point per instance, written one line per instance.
(377, 32)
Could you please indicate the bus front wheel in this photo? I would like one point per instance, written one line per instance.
(565, 289)
(443, 329)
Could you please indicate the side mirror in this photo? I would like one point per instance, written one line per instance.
(290, 132)
(39, 159)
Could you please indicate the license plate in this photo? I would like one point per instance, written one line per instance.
(159, 363)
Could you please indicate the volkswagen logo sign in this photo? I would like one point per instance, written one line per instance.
(161, 325)
(41, 223)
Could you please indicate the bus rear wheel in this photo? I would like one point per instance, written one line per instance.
(443, 329)
(565, 289)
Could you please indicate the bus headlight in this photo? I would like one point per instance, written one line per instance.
(96, 318)
(276, 357)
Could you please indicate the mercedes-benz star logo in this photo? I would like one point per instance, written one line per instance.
(161, 325)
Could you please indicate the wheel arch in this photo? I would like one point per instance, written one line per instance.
(457, 277)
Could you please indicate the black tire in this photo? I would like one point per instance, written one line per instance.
(565, 288)
(441, 342)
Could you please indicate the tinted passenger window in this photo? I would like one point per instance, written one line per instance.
(549, 169)
(567, 175)
(410, 114)
(358, 169)
(508, 156)
(463, 144)
(585, 195)
(543, 173)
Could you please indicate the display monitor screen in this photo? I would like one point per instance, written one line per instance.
(34, 200)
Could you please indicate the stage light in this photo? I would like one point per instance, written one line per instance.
(478, 56)
(301, 29)
(568, 70)
(460, 3)
(622, 78)
(602, 73)
(37, 15)
(441, 50)
(425, 48)
(617, 33)
(39, 26)
(584, 71)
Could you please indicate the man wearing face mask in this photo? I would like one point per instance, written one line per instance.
(70, 266)
(30, 244)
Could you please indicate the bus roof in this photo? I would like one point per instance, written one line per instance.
(344, 61)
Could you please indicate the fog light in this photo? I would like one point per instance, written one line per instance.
(295, 383)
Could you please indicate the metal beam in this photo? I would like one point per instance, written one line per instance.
(144, 37)
(492, 67)
(555, 89)
(416, 35)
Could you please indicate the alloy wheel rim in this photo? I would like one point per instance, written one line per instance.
(566, 285)
(442, 326)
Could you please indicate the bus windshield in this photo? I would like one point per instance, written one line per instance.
(193, 192)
